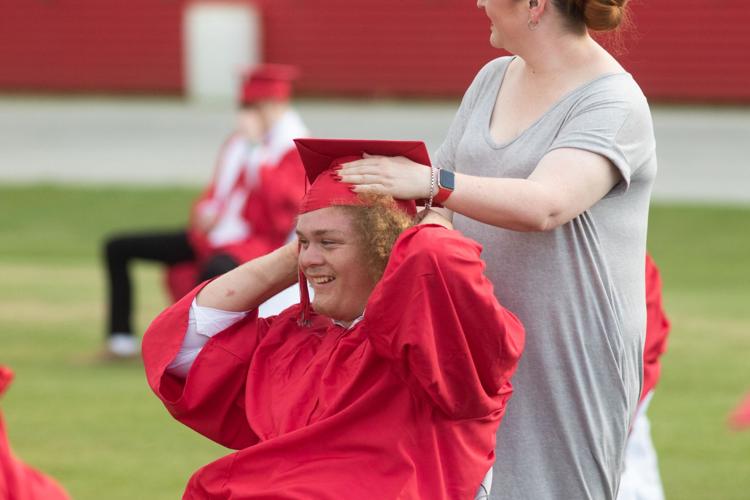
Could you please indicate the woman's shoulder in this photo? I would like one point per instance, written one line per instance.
(615, 97)
(485, 83)
(617, 87)
(496, 65)
(492, 70)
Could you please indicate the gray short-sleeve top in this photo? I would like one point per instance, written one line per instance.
(578, 289)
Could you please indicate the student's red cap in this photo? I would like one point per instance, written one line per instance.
(267, 82)
(322, 157)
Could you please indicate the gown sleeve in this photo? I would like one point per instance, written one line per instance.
(434, 315)
(211, 400)
(203, 323)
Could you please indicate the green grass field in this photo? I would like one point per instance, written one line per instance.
(98, 429)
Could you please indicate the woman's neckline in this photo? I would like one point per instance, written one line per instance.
(498, 83)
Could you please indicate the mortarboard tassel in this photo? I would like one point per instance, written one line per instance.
(304, 301)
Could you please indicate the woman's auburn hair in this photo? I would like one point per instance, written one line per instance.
(378, 222)
(596, 15)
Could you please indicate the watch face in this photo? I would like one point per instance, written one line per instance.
(447, 179)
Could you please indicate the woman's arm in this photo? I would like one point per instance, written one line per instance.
(565, 183)
(252, 283)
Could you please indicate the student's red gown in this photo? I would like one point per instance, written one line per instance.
(657, 329)
(18, 481)
(403, 405)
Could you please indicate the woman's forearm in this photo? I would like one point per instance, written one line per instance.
(252, 283)
(517, 204)
(564, 184)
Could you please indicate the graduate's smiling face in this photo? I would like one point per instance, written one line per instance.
(331, 257)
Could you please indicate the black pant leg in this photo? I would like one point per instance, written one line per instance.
(168, 247)
(217, 265)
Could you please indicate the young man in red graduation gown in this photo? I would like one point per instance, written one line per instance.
(390, 384)
(247, 210)
(18, 481)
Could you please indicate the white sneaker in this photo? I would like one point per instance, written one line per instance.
(123, 345)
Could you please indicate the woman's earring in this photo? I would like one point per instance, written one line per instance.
(531, 23)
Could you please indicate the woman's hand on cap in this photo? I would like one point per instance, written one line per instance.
(396, 176)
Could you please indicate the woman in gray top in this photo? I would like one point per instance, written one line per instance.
(554, 159)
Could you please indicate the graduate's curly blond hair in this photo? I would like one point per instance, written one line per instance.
(378, 223)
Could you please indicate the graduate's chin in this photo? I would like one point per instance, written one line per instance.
(320, 308)
(331, 312)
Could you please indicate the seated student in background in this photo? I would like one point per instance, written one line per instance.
(247, 210)
(18, 481)
(391, 384)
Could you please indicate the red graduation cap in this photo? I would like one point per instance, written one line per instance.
(267, 82)
(321, 157)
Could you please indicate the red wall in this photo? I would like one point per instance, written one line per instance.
(680, 50)
(433, 47)
(691, 50)
(91, 45)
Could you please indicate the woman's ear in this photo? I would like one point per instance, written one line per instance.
(536, 10)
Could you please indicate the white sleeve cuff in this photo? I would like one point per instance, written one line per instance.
(203, 323)
(210, 321)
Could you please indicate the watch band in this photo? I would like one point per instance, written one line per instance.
(446, 182)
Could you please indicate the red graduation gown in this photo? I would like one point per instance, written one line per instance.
(657, 329)
(403, 405)
(18, 481)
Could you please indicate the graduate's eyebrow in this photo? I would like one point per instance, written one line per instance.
(323, 232)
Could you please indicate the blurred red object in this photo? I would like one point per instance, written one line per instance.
(6, 377)
(180, 279)
(739, 419)
(18, 481)
(657, 329)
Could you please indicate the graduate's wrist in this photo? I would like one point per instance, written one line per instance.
(289, 262)
(427, 182)
(277, 270)
(432, 217)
